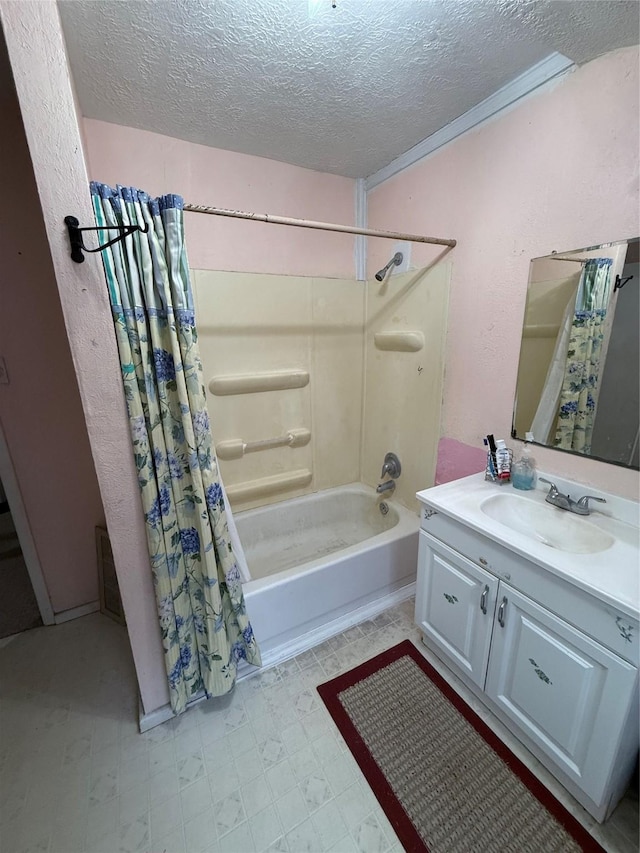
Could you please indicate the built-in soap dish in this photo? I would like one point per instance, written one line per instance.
(399, 341)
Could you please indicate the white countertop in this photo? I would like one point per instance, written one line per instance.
(612, 575)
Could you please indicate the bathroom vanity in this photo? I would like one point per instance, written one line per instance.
(536, 610)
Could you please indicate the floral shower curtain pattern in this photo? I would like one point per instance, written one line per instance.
(579, 394)
(201, 609)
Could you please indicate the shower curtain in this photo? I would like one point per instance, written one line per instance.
(579, 394)
(196, 574)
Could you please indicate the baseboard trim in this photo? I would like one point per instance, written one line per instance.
(291, 649)
(154, 718)
(76, 612)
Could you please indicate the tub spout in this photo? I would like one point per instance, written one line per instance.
(389, 486)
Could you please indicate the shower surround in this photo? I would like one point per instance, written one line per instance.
(356, 365)
(311, 381)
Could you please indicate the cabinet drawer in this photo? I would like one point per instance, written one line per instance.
(599, 620)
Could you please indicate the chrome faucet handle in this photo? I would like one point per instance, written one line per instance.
(554, 497)
(553, 491)
(391, 466)
(584, 500)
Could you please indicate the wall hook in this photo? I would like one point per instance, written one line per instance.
(620, 282)
(75, 236)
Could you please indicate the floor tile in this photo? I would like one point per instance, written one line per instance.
(133, 772)
(229, 813)
(280, 845)
(163, 785)
(190, 768)
(166, 818)
(294, 738)
(238, 840)
(303, 763)
(326, 748)
(280, 778)
(369, 836)
(67, 839)
(345, 845)
(249, 765)
(341, 772)
(162, 756)
(353, 805)
(266, 829)
(171, 843)
(289, 667)
(332, 665)
(200, 832)
(329, 824)
(315, 790)
(271, 751)
(134, 836)
(262, 769)
(195, 799)
(304, 838)
(292, 809)
(256, 795)
(134, 805)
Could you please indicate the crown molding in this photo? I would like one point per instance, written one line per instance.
(550, 68)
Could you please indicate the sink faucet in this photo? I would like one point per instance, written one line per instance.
(579, 507)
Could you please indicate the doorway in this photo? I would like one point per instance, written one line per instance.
(24, 599)
(18, 605)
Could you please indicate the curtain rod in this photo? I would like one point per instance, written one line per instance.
(320, 226)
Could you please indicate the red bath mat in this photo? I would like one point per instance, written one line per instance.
(446, 782)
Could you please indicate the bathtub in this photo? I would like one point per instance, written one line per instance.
(323, 562)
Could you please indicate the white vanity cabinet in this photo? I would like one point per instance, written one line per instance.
(555, 665)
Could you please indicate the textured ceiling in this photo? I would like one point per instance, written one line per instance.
(342, 90)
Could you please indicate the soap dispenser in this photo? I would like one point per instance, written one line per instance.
(523, 474)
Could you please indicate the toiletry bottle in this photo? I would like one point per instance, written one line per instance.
(523, 475)
(503, 461)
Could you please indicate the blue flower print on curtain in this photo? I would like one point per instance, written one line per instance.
(201, 610)
(579, 394)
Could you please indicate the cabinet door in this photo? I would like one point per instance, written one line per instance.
(455, 603)
(566, 692)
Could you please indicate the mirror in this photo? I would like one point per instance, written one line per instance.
(578, 386)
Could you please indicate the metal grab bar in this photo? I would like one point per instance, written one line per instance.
(236, 448)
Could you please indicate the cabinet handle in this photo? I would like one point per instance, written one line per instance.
(483, 599)
(501, 609)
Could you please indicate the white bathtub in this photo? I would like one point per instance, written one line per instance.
(323, 562)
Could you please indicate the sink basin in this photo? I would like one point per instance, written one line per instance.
(556, 528)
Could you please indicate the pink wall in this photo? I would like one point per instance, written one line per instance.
(559, 171)
(211, 176)
(40, 408)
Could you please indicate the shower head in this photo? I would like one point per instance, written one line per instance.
(395, 261)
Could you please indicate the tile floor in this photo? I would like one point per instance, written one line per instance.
(262, 770)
